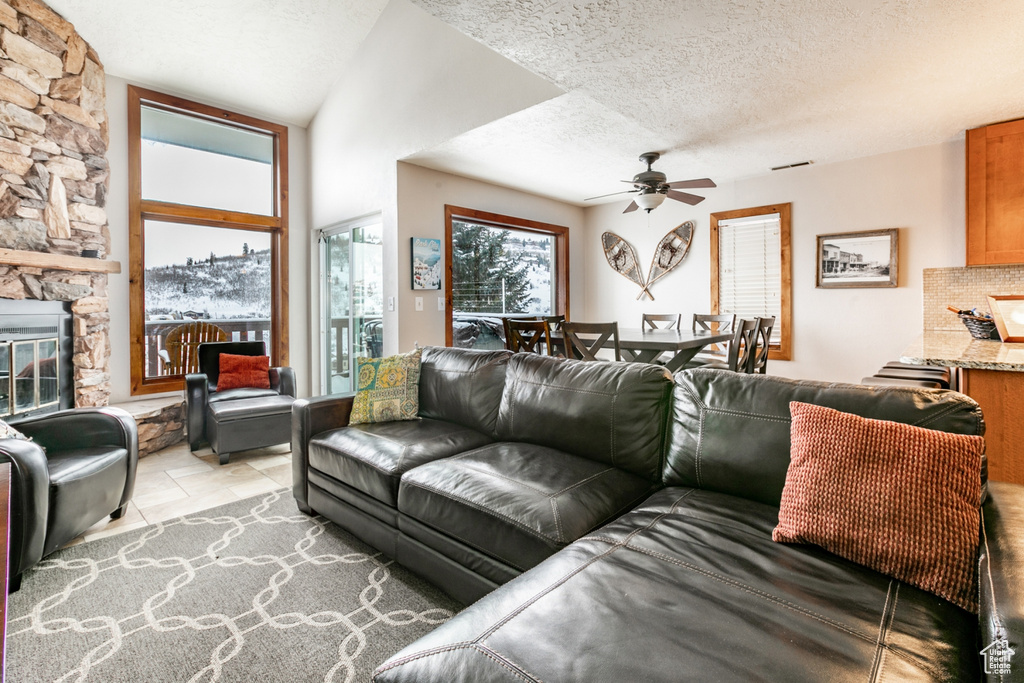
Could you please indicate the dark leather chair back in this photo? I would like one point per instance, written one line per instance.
(613, 413)
(730, 431)
(463, 386)
(209, 355)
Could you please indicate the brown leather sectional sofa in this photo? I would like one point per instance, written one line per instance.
(611, 523)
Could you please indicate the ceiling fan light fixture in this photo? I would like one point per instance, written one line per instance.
(649, 201)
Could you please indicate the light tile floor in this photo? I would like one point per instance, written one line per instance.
(175, 482)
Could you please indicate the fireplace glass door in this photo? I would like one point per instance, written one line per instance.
(32, 378)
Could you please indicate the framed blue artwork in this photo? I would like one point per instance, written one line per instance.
(426, 263)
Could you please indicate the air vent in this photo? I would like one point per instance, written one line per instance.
(799, 163)
(51, 330)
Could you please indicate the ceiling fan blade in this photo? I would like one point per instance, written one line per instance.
(699, 182)
(611, 194)
(686, 197)
(633, 206)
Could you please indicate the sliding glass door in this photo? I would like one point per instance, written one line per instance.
(352, 286)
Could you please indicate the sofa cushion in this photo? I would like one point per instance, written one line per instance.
(86, 484)
(373, 457)
(462, 386)
(690, 587)
(897, 498)
(730, 431)
(518, 502)
(613, 413)
(389, 389)
(248, 408)
(240, 394)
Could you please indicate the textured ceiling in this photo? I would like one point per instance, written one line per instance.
(725, 88)
(732, 88)
(274, 58)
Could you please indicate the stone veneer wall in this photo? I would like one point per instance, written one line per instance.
(54, 175)
(965, 288)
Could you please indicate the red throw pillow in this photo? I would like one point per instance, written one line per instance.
(900, 499)
(237, 372)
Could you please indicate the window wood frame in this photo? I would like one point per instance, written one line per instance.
(140, 210)
(497, 220)
(784, 349)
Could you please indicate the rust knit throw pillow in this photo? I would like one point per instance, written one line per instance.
(237, 372)
(900, 499)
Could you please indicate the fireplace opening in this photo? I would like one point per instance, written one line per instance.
(36, 345)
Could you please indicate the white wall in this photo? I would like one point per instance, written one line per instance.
(117, 215)
(414, 82)
(422, 195)
(838, 334)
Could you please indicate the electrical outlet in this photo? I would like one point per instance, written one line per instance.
(419, 303)
(391, 303)
(440, 303)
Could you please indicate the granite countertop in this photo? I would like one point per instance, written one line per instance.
(959, 349)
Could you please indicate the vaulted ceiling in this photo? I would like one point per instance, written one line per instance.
(724, 88)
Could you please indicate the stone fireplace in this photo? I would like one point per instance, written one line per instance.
(53, 182)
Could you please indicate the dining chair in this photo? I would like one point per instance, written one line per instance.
(528, 336)
(508, 335)
(595, 336)
(713, 322)
(557, 343)
(742, 348)
(651, 320)
(759, 358)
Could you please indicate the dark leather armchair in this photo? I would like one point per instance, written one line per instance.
(236, 419)
(86, 472)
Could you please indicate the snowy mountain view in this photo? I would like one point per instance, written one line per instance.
(217, 287)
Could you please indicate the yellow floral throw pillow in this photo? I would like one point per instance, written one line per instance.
(389, 389)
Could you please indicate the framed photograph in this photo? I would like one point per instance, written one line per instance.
(1008, 314)
(426, 263)
(858, 259)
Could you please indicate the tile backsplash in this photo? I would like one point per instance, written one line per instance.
(965, 288)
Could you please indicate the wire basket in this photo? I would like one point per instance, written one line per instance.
(980, 328)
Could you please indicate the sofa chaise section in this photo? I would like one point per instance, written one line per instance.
(689, 586)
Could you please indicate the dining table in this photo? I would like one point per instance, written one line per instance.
(645, 345)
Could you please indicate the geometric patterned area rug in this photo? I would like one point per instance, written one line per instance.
(250, 591)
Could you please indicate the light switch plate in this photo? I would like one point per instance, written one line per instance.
(440, 303)
(391, 303)
(419, 303)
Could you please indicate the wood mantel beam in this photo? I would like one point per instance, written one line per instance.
(39, 259)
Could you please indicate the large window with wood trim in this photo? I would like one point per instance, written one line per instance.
(751, 274)
(498, 267)
(208, 232)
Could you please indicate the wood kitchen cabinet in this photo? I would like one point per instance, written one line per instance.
(995, 194)
(999, 395)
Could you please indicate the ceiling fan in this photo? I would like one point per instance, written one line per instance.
(652, 189)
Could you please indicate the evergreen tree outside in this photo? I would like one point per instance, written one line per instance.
(489, 274)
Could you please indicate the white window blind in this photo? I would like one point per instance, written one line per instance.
(750, 268)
